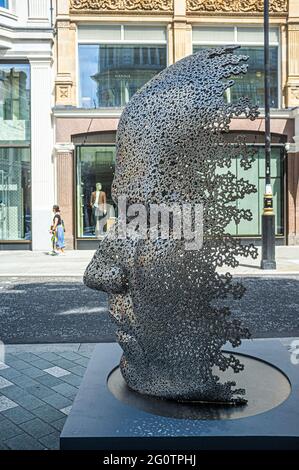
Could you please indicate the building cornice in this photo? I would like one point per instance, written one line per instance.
(9, 37)
(121, 6)
(152, 7)
(8, 14)
(67, 112)
(252, 7)
(27, 30)
(115, 113)
(64, 147)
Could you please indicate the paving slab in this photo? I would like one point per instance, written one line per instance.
(8, 429)
(48, 413)
(18, 415)
(37, 428)
(51, 441)
(23, 442)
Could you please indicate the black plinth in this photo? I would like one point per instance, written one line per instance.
(100, 421)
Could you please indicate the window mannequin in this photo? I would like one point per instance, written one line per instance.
(98, 202)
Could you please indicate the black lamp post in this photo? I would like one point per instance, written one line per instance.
(268, 217)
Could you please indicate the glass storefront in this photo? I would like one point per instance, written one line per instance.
(256, 175)
(111, 74)
(15, 165)
(14, 104)
(95, 164)
(15, 194)
(95, 171)
(4, 3)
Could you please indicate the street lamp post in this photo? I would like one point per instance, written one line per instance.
(268, 217)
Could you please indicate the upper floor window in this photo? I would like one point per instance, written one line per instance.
(251, 40)
(115, 61)
(4, 3)
(14, 103)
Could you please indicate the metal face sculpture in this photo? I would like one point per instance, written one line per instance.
(172, 149)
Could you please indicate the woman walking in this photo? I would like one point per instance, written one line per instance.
(57, 230)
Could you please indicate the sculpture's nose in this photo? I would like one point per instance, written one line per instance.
(106, 275)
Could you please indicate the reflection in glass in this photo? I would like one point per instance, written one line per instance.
(95, 171)
(96, 165)
(256, 175)
(111, 74)
(4, 3)
(252, 84)
(15, 194)
(14, 103)
(15, 168)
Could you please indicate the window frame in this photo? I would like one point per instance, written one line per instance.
(120, 41)
(245, 44)
(26, 144)
(282, 181)
(17, 62)
(76, 162)
(6, 8)
(20, 241)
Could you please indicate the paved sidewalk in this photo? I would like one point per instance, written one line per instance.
(38, 384)
(73, 263)
(42, 264)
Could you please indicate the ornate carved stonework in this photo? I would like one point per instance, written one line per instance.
(235, 6)
(121, 5)
(295, 92)
(63, 91)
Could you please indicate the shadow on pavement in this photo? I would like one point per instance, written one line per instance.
(50, 311)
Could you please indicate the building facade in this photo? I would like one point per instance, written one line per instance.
(106, 50)
(26, 130)
(73, 81)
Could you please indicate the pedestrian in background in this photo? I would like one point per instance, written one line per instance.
(57, 231)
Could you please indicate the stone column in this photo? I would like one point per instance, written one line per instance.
(42, 168)
(293, 187)
(293, 197)
(65, 83)
(170, 48)
(284, 62)
(182, 32)
(65, 189)
(292, 90)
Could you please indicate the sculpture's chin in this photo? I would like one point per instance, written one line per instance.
(181, 389)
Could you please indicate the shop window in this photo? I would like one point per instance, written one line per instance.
(4, 4)
(14, 103)
(95, 164)
(251, 41)
(116, 61)
(15, 194)
(15, 166)
(95, 172)
(256, 175)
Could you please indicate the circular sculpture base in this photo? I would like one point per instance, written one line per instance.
(266, 387)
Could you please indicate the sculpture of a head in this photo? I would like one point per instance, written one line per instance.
(172, 149)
